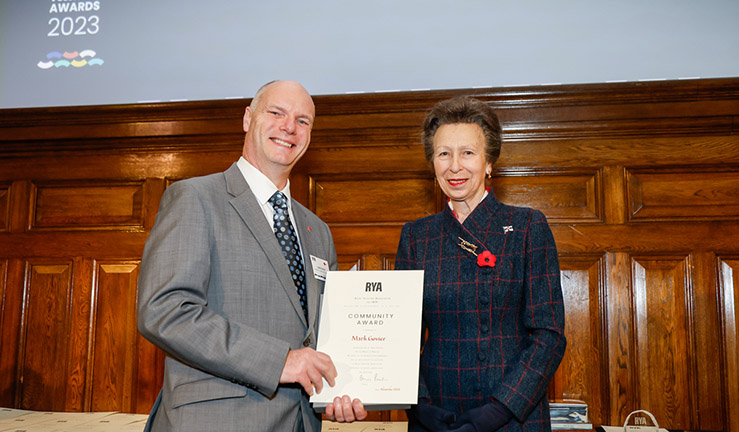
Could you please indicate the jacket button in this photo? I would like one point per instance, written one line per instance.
(481, 356)
(484, 328)
(306, 342)
(484, 299)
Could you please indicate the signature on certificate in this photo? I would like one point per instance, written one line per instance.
(371, 377)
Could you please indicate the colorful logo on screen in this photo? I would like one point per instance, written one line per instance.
(76, 59)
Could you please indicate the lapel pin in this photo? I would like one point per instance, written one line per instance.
(469, 247)
(507, 229)
(486, 259)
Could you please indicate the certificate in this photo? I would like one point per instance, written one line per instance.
(370, 325)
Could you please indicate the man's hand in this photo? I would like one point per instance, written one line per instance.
(308, 367)
(345, 410)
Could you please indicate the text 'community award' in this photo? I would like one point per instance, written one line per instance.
(370, 325)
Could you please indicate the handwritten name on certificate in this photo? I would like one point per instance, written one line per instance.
(370, 325)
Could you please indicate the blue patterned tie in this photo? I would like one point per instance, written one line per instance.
(288, 241)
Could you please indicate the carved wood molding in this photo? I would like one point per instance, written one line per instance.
(530, 113)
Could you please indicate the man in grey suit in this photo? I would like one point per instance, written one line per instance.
(218, 296)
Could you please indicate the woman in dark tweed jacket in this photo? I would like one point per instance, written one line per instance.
(492, 297)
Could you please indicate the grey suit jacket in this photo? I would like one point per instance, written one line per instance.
(216, 295)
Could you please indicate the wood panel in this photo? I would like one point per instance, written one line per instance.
(729, 282)
(564, 196)
(10, 325)
(707, 340)
(45, 345)
(87, 206)
(621, 369)
(579, 375)
(114, 337)
(664, 358)
(4, 207)
(680, 194)
(638, 182)
(4, 372)
(358, 198)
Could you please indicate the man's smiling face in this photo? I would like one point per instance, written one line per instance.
(278, 128)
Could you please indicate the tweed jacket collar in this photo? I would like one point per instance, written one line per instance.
(475, 224)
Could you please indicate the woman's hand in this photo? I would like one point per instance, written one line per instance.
(487, 418)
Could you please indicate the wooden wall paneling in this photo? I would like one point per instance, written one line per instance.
(322, 159)
(88, 205)
(582, 375)
(728, 271)
(347, 262)
(116, 164)
(687, 193)
(45, 335)
(372, 198)
(7, 365)
(63, 243)
(569, 195)
(149, 377)
(371, 262)
(153, 190)
(366, 210)
(368, 261)
(115, 338)
(614, 192)
(12, 310)
(19, 200)
(356, 240)
(710, 373)
(4, 207)
(646, 237)
(642, 149)
(78, 334)
(621, 363)
(663, 334)
(3, 285)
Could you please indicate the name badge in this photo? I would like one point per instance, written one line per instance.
(320, 267)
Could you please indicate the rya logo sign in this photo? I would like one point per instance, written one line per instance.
(373, 287)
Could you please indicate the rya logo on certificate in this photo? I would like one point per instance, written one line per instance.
(373, 287)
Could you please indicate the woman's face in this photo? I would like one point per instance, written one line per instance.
(459, 162)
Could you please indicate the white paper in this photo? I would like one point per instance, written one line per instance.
(370, 325)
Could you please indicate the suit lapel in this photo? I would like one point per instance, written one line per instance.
(310, 244)
(246, 205)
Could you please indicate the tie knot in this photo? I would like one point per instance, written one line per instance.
(278, 201)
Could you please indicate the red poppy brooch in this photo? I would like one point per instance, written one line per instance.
(484, 259)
